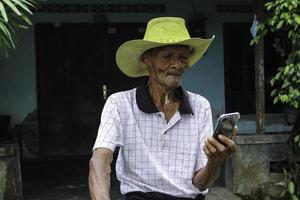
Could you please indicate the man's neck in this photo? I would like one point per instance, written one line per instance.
(161, 95)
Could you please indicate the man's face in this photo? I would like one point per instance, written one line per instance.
(168, 65)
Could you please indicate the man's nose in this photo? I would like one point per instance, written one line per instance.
(177, 62)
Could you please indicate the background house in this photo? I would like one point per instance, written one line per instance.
(63, 69)
(55, 84)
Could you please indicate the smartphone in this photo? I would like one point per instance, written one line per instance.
(226, 123)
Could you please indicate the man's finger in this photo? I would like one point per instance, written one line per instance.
(210, 147)
(206, 151)
(234, 132)
(229, 143)
(219, 146)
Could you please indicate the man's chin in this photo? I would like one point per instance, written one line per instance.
(174, 84)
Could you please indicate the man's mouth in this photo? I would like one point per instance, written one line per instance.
(178, 73)
(175, 75)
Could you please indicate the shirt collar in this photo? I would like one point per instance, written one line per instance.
(146, 104)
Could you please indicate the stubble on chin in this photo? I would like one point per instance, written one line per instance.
(173, 83)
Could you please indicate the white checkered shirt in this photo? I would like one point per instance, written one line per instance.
(156, 156)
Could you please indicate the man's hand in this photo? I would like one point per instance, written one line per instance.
(218, 150)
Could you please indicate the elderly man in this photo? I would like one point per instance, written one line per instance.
(164, 132)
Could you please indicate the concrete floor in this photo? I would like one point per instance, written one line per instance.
(59, 179)
(63, 178)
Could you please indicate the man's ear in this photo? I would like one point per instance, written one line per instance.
(144, 60)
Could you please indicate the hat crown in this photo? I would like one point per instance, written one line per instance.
(166, 30)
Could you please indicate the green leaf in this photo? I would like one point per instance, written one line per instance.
(279, 25)
(277, 76)
(8, 34)
(269, 4)
(280, 69)
(297, 138)
(286, 70)
(265, 31)
(28, 3)
(5, 39)
(297, 19)
(269, 7)
(292, 70)
(12, 6)
(291, 92)
(283, 98)
(294, 197)
(21, 26)
(295, 3)
(26, 19)
(3, 12)
(271, 23)
(20, 3)
(283, 16)
(254, 41)
(4, 29)
(261, 26)
(272, 81)
(273, 93)
(275, 100)
(285, 84)
(278, 9)
(291, 187)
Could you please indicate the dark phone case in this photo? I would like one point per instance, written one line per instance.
(226, 123)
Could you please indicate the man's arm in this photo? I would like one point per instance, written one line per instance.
(99, 174)
(206, 176)
(216, 151)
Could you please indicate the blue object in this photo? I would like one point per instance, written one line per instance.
(253, 29)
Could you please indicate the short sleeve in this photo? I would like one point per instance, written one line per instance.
(206, 130)
(110, 129)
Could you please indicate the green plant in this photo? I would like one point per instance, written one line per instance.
(13, 16)
(284, 19)
(290, 183)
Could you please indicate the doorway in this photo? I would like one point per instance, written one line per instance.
(239, 69)
(75, 63)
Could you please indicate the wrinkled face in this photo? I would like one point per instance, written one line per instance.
(167, 64)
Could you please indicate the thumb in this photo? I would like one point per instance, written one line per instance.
(234, 132)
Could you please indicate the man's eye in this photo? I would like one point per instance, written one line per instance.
(184, 57)
(167, 56)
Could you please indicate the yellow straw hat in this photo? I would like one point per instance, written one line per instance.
(159, 32)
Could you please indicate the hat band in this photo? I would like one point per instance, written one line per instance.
(168, 40)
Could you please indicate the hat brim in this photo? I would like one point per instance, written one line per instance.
(128, 54)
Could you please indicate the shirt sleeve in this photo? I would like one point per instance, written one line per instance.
(206, 130)
(110, 129)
